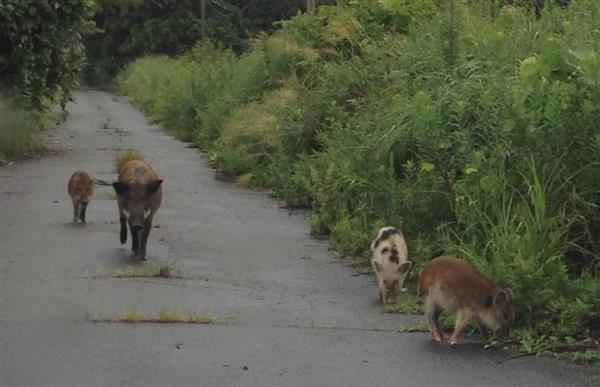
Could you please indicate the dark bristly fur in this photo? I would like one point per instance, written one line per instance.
(139, 195)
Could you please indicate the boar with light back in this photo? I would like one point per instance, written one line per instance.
(390, 262)
(139, 195)
(81, 189)
(451, 285)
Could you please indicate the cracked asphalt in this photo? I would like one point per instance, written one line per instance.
(287, 312)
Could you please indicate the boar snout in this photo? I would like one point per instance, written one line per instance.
(136, 227)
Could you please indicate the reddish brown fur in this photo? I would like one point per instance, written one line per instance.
(450, 284)
(139, 195)
(81, 190)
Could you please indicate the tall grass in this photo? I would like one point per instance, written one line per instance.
(481, 142)
(19, 132)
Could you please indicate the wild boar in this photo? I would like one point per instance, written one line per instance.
(81, 190)
(451, 285)
(390, 262)
(139, 195)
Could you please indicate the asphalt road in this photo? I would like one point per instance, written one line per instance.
(287, 313)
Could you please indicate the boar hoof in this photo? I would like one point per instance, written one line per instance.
(454, 343)
(137, 256)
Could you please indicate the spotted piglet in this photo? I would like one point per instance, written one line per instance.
(390, 262)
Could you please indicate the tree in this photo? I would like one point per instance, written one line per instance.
(41, 52)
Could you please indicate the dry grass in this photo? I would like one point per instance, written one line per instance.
(255, 126)
(126, 156)
(243, 181)
(159, 270)
(130, 316)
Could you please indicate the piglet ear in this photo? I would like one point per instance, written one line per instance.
(151, 188)
(405, 267)
(120, 187)
(377, 266)
(500, 298)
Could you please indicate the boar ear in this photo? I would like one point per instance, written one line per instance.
(377, 266)
(501, 298)
(151, 188)
(510, 292)
(120, 187)
(405, 267)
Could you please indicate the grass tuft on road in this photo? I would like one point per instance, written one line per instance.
(126, 156)
(165, 316)
(158, 270)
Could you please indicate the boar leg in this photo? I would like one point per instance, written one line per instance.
(82, 209)
(123, 233)
(433, 321)
(135, 241)
(144, 238)
(462, 319)
(483, 330)
(75, 211)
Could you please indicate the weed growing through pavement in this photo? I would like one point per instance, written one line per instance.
(165, 316)
(419, 327)
(130, 316)
(160, 270)
(126, 156)
(403, 307)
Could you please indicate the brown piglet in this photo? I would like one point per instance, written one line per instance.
(451, 285)
(139, 195)
(81, 189)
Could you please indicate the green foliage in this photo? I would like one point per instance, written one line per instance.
(40, 48)
(19, 131)
(482, 143)
(128, 29)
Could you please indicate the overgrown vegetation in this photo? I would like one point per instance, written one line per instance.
(40, 58)
(40, 48)
(127, 29)
(470, 125)
(19, 131)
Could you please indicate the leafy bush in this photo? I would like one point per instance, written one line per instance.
(40, 48)
(471, 126)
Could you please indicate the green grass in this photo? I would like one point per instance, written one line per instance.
(419, 327)
(403, 307)
(165, 316)
(20, 132)
(474, 132)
